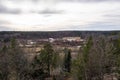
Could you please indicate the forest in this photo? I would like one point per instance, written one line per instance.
(53, 34)
(97, 59)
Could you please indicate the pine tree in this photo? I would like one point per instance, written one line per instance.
(46, 57)
(67, 60)
(80, 64)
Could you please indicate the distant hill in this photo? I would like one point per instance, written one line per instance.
(54, 34)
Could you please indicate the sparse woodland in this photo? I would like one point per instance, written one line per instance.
(98, 59)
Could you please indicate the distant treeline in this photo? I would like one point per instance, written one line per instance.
(54, 34)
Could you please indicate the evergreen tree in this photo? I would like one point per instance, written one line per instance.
(46, 57)
(67, 60)
(80, 64)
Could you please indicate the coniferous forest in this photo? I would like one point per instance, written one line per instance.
(98, 58)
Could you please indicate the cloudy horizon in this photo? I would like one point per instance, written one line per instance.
(58, 15)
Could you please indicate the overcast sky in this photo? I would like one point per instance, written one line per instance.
(55, 15)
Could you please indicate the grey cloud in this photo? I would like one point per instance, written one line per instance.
(4, 22)
(102, 26)
(63, 0)
(112, 15)
(6, 10)
(5, 28)
(35, 0)
(95, 0)
(75, 0)
(48, 11)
